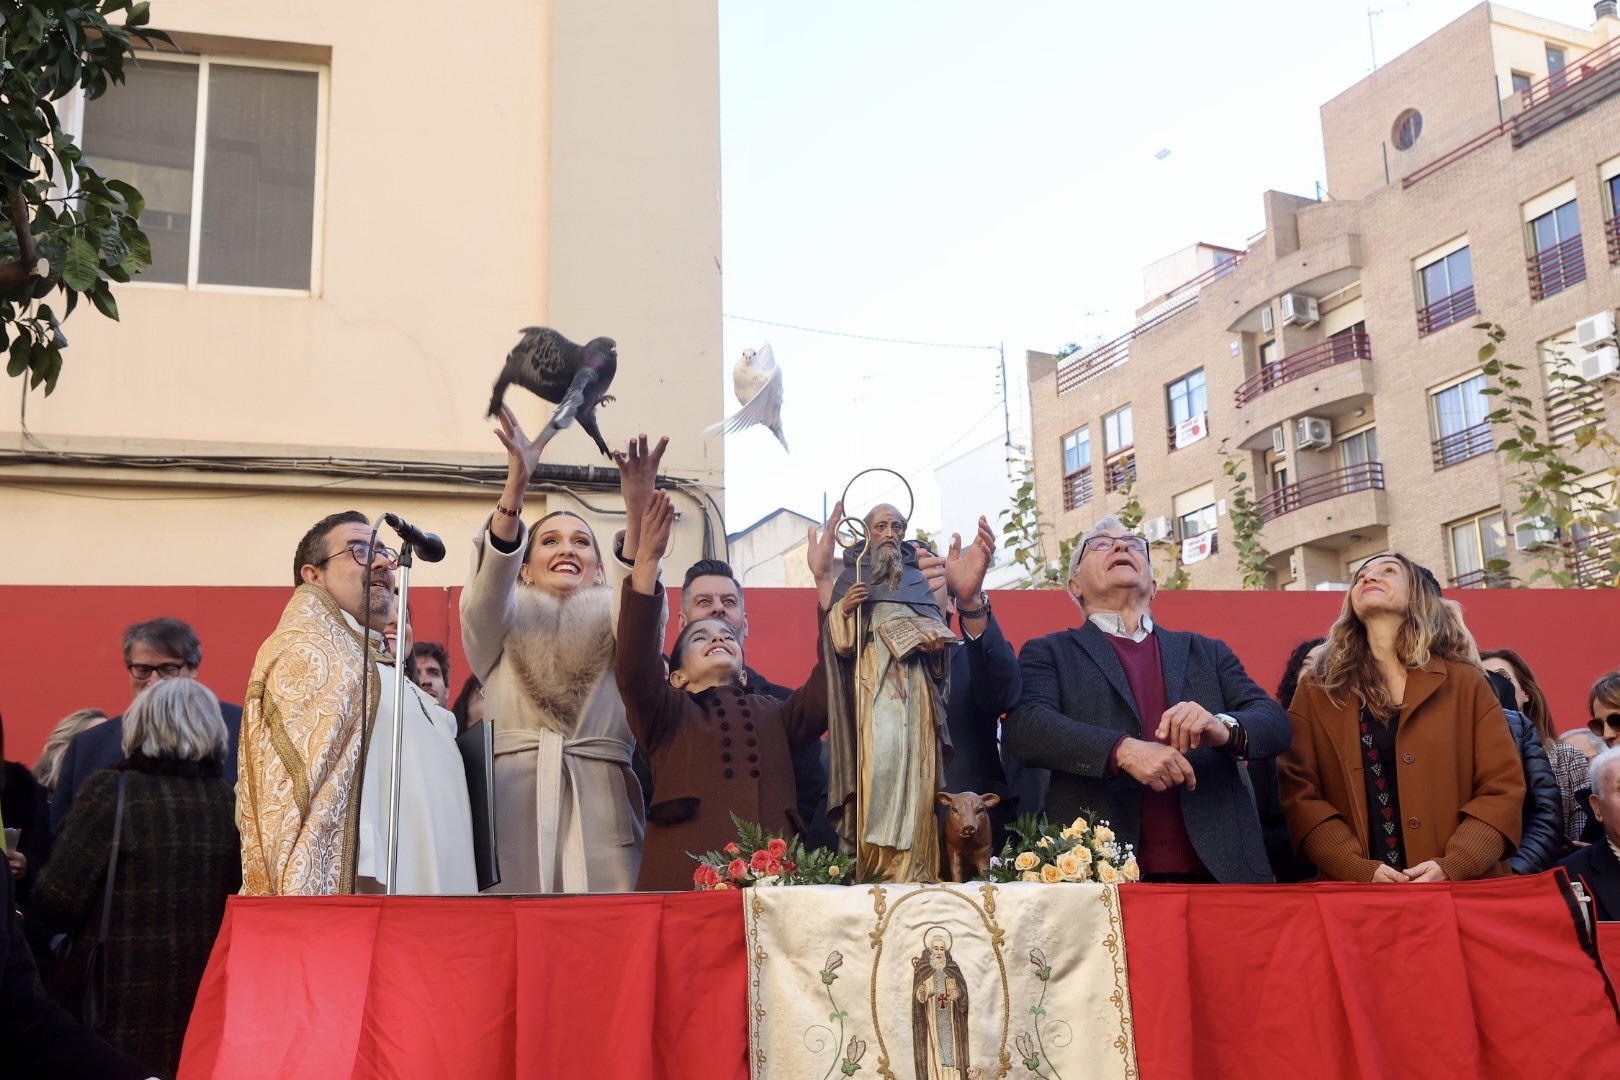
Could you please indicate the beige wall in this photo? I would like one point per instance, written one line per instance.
(560, 166)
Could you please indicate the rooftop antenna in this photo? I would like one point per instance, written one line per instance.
(1372, 43)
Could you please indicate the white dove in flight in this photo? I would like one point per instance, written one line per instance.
(758, 384)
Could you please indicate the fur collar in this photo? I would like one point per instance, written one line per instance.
(559, 648)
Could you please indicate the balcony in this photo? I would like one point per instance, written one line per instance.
(1554, 269)
(1566, 94)
(1335, 350)
(1120, 470)
(1483, 579)
(1611, 229)
(1330, 379)
(1077, 488)
(1345, 501)
(1193, 430)
(1593, 559)
(1447, 310)
(1461, 445)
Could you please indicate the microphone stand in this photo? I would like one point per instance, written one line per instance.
(399, 703)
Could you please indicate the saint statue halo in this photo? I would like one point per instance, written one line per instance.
(850, 532)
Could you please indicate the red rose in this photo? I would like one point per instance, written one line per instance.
(788, 866)
(733, 849)
(738, 870)
(705, 877)
(773, 866)
(777, 847)
(760, 860)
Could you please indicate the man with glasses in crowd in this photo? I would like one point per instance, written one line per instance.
(153, 651)
(317, 757)
(1146, 726)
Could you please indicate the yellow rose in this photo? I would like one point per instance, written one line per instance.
(1083, 854)
(1045, 842)
(1030, 875)
(1076, 828)
(1130, 871)
(1107, 874)
(1070, 866)
(1104, 834)
(1027, 860)
(1050, 874)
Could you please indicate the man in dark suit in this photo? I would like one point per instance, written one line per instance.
(155, 650)
(1598, 865)
(1145, 726)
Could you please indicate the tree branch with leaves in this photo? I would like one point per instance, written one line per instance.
(66, 228)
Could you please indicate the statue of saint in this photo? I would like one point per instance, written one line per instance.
(939, 1011)
(887, 699)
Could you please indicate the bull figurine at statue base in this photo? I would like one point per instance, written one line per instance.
(966, 833)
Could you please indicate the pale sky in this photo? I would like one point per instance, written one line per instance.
(982, 173)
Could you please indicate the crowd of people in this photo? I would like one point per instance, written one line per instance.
(1393, 751)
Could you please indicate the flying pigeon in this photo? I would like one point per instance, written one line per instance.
(758, 383)
(575, 378)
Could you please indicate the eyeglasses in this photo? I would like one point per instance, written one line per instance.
(142, 672)
(358, 549)
(1137, 545)
(1597, 722)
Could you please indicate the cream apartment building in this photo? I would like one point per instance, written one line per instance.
(1472, 179)
(353, 212)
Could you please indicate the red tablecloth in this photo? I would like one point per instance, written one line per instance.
(1487, 979)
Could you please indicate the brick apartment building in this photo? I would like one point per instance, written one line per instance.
(1475, 178)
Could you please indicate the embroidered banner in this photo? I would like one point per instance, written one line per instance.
(938, 982)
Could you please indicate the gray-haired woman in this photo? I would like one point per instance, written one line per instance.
(179, 858)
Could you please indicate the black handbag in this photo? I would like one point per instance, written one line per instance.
(78, 981)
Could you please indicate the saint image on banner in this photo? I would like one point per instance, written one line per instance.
(939, 1011)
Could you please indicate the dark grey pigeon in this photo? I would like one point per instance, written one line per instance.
(573, 377)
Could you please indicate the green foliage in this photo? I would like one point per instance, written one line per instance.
(1131, 514)
(63, 226)
(761, 857)
(1023, 529)
(1243, 510)
(1568, 497)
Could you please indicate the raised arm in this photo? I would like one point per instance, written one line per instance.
(638, 478)
(804, 714)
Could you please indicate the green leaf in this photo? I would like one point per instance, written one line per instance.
(19, 356)
(102, 297)
(82, 267)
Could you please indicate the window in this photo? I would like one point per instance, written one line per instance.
(1447, 291)
(1077, 468)
(1556, 259)
(1555, 69)
(1475, 545)
(235, 207)
(1187, 397)
(1611, 188)
(1408, 126)
(1195, 511)
(1521, 82)
(1567, 400)
(1358, 457)
(1460, 429)
(1117, 433)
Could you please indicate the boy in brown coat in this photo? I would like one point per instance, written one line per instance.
(715, 748)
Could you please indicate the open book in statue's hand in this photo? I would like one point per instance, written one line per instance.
(919, 634)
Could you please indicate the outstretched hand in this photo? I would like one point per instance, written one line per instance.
(522, 452)
(638, 476)
(821, 551)
(656, 522)
(965, 567)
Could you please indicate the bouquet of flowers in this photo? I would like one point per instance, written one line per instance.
(1084, 850)
(758, 857)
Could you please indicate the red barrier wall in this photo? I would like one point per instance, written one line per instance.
(60, 645)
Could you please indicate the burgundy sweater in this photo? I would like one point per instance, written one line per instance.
(1165, 847)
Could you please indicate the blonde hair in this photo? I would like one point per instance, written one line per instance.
(1433, 626)
(177, 718)
(48, 769)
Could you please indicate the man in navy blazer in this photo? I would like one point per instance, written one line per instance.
(155, 650)
(1144, 726)
(1598, 865)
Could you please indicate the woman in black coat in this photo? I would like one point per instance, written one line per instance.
(179, 858)
(1542, 844)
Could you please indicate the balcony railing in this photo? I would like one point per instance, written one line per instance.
(1462, 445)
(1554, 269)
(1195, 433)
(1611, 229)
(1077, 488)
(1483, 579)
(1447, 310)
(1120, 470)
(1320, 488)
(1589, 558)
(1570, 75)
(1335, 350)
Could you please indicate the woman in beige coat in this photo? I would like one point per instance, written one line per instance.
(537, 624)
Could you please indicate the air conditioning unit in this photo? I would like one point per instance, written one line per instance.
(1332, 586)
(1298, 309)
(1314, 433)
(1533, 533)
(1595, 331)
(1268, 321)
(1156, 529)
(1279, 440)
(1600, 363)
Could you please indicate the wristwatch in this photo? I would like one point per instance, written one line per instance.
(975, 613)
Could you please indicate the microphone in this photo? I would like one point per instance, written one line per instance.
(429, 548)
